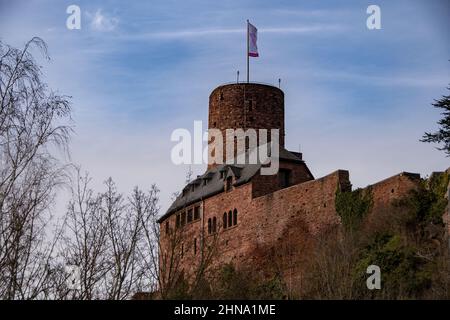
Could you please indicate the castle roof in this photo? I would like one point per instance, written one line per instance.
(212, 181)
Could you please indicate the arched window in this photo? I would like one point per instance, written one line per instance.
(214, 225)
(235, 217)
(230, 219)
(209, 226)
(224, 220)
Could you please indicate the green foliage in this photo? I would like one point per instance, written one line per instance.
(443, 133)
(271, 289)
(427, 204)
(352, 206)
(180, 290)
(404, 274)
(437, 186)
(236, 284)
(231, 284)
(405, 245)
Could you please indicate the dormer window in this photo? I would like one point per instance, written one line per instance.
(229, 184)
(284, 176)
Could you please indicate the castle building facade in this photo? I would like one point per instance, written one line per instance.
(263, 223)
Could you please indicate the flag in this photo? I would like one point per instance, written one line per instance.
(252, 37)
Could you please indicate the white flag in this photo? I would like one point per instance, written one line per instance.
(252, 37)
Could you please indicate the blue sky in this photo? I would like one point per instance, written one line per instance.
(356, 99)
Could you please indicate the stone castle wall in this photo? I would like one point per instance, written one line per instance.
(275, 232)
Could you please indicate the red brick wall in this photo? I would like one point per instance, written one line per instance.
(273, 232)
(229, 108)
(265, 184)
(276, 232)
(386, 192)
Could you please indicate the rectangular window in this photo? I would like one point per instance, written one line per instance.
(195, 246)
(229, 183)
(167, 227)
(284, 178)
(177, 223)
(197, 213)
(189, 216)
(183, 218)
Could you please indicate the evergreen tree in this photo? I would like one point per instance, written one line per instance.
(443, 133)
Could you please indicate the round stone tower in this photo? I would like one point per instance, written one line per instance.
(246, 106)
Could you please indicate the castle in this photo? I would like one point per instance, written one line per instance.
(264, 223)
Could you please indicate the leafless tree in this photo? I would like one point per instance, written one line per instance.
(33, 124)
(108, 238)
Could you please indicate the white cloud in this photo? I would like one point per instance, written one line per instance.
(103, 22)
(185, 34)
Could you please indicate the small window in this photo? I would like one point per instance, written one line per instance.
(209, 226)
(197, 212)
(189, 216)
(214, 124)
(182, 250)
(214, 225)
(250, 105)
(177, 223)
(221, 96)
(229, 183)
(284, 178)
(167, 227)
(195, 245)
(235, 217)
(230, 219)
(183, 218)
(224, 222)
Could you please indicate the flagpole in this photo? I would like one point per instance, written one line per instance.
(248, 57)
